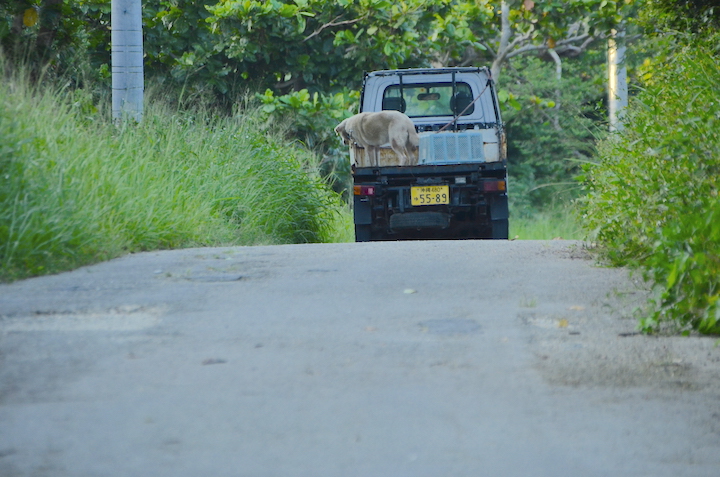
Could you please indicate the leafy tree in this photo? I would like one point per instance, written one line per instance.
(683, 15)
(557, 28)
(179, 45)
(315, 44)
(549, 61)
(321, 45)
(72, 37)
(549, 141)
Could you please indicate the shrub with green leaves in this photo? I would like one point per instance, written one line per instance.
(653, 198)
(685, 264)
(311, 118)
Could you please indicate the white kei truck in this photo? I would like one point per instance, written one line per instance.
(458, 189)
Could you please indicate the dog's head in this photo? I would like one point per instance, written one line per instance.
(341, 130)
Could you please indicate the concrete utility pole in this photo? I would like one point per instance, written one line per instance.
(617, 79)
(127, 59)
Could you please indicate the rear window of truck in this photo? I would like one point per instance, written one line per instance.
(426, 100)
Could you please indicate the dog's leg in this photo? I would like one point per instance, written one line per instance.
(414, 155)
(400, 151)
(369, 159)
(408, 157)
(411, 151)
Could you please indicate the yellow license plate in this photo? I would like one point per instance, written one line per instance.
(430, 195)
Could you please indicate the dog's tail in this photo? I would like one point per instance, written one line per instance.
(413, 139)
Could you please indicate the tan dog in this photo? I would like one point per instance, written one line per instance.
(372, 130)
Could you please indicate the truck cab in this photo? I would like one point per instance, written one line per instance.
(458, 189)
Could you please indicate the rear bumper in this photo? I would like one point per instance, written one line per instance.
(386, 215)
(477, 203)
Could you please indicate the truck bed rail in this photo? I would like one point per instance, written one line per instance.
(372, 173)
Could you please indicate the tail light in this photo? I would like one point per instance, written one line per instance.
(494, 186)
(363, 190)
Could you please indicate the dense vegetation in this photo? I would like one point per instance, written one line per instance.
(653, 198)
(78, 189)
(203, 167)
(75, 188)
(305, 59)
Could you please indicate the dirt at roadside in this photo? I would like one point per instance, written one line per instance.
(596, 343)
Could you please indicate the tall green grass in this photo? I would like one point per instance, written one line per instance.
(75, 188)
(558, 221)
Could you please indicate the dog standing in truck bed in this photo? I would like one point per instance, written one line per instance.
(372, 130)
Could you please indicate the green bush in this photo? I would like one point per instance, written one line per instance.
(686, 266)
(311, 119)
(76, 188)
(653, 198)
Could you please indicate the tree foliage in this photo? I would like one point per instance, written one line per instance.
(72, 38)
(313, 44)
(567, 28)
(683, 15)
(551, 135)
(310, 44)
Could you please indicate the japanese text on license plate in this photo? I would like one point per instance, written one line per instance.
(430, 195)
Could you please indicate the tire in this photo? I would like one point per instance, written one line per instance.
(362, 233)
(500, 229)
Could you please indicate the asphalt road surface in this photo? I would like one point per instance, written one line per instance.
(417, 359)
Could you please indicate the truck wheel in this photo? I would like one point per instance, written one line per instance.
(362, 233)
(500, 229)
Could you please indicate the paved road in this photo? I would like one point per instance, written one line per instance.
(471, 358)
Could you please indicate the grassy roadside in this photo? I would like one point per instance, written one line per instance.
(558, 222)
(76, 189)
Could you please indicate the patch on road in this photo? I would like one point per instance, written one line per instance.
(126, 318)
